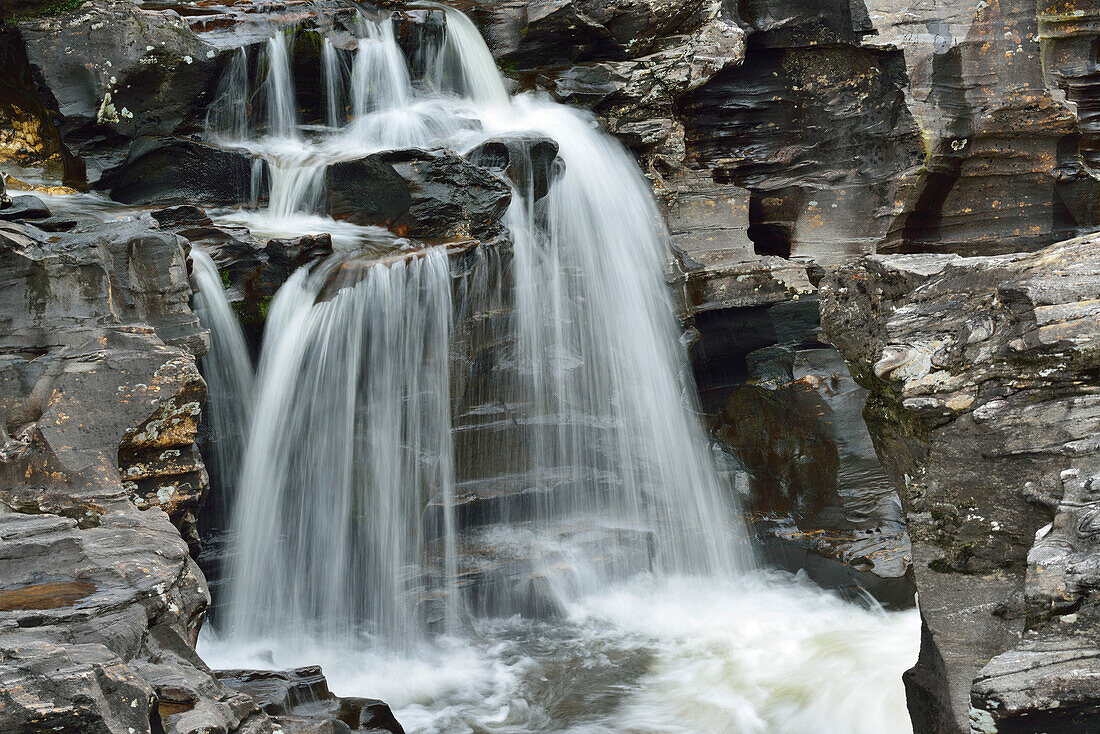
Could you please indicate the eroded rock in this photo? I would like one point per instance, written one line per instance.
(984, 410)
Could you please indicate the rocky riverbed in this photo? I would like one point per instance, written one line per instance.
(879, 224)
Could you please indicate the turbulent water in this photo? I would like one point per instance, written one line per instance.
(347, 549)
(768, 653)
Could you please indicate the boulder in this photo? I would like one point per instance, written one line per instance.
(118, 71)
(23, 208)
(177, 171)
(418, 193)
(299, 701)
(982, 406)
(531, 164)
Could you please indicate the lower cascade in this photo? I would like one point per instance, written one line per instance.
(474, 480)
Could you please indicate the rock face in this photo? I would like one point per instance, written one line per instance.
(119, 71)
(28, 135)
(100, 395)
(984, 409)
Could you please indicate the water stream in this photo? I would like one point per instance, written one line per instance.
(349, 549)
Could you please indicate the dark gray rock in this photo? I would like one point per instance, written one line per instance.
(23, 208)
(119, 71)
(167, 171)
(419, 193)
(983, 408)
(299, 701)
(531, 164)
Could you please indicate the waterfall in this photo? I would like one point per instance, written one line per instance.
(282, 107)
(351, 438)
(227, 368)
(333, 77)
(352, 441)
(599, 357)
(379, 76)
(227, 117)
(437, 444)
(466, 53)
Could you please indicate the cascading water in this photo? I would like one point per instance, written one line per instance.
(350, 436)
(347, 547)
(278, 90)
(227, 368)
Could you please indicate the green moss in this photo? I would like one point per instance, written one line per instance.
(252, 312)
(47, 11)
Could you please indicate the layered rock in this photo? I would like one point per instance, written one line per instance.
(102, 600)
(983, 408)
(995, 89)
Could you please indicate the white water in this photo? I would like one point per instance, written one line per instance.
(227, 368)
(766, 654)
(351, 439)
(334, 78)
(350, 435)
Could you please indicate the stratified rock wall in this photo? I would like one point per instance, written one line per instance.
(100, 398)
(985, 409)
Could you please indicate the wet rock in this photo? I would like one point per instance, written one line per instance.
(983, 410)
(419, 193)
(23, 208)
(639, 98)
(178, 171)
(279, 691)
(531, 164)
(300, 701)
(791, 459)
(368, 714)
(254, 269)
(540, 34)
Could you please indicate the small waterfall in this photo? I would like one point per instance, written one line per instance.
(379, 77)
(282, 106)
(297, 186)
(227, 368)
(227, 117)
(351, 439)
(334, 78)
(467, 56)
(601, 363)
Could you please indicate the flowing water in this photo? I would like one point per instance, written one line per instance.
(227, 368)
(349, 549)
